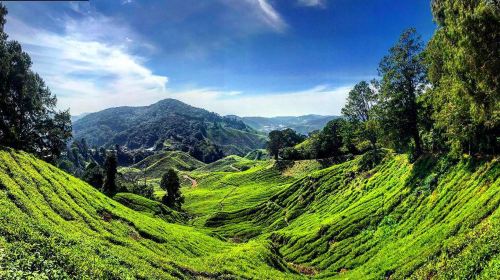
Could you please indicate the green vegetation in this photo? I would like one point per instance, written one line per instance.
(371, 217)
(150, 207)
(343, 203)
(154, 166)
(29, 119)
(432, 218)
(169, 124)
(55, 226)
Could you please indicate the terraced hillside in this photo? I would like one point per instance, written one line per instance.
(362, 219)
(234, 183)
(55, 226)
(433, 219)
(155, 165)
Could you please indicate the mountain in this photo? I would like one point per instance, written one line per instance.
(77, 117)
(169, 124)
(301, 124)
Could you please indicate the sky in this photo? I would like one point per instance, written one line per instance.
(242, 57)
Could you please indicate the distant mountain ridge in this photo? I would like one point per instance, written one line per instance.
(302, 124)
(169, 124)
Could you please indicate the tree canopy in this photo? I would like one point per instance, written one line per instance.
(170, 183)
(29, 119)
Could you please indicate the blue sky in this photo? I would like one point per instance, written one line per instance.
(244, 57)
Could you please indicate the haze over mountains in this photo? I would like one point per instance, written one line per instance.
(301, 124)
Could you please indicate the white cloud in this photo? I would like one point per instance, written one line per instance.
(322, 99)
(89, 72)
(90, 66)
(271, 16)
(312, 3)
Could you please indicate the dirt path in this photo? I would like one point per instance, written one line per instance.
(235, 168)
(194, 183)
(221, 203)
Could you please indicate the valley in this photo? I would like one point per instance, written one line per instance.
(252, 139)
(345, 221)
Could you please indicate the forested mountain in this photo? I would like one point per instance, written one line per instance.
(169, 124)
(301, 124)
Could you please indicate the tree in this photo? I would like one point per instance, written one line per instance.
(275, 143)
(93, 175)
(281, 139)
(403, 80)
(463, 58)
(170, 183)
(110, 165)
(329, 140)
(359, 113)
(28, 117)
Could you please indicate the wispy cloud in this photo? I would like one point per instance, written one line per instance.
(271, 16)
(312, 3)
(253, 13)
(89, 71)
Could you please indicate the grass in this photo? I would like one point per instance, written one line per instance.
(432, 219)
(362, 219)
(54, 225)
(155, 165)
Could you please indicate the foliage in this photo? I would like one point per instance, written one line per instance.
(281, 139)
(29, 119)
(403, 80)
(381, 216)
(464, 62)
(55, 226)
(94, 175)
(362, 123)
(170, 183)
(110, 165)
(172, 125)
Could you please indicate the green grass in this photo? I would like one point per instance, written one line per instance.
(362, 219)
(54, 225)
(155, 165)
(150, 207)
(432, 219)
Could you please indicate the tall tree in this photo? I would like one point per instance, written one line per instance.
(28, 116)
(464, 67)
(110, 166)
(403, 80)
(170, 183)
(359, 111)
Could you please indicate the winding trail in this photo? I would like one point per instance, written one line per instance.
(194, 183)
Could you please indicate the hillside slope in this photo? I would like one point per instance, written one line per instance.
(433, 219)
(155, 165)
(54, 225)
(169, 123)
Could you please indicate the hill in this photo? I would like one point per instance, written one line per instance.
(301, 124)
(362, 219)
(434, 219)
(155, 165)
(169, 124)
(54, 226)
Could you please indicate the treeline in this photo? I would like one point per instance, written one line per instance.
(439, 98)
